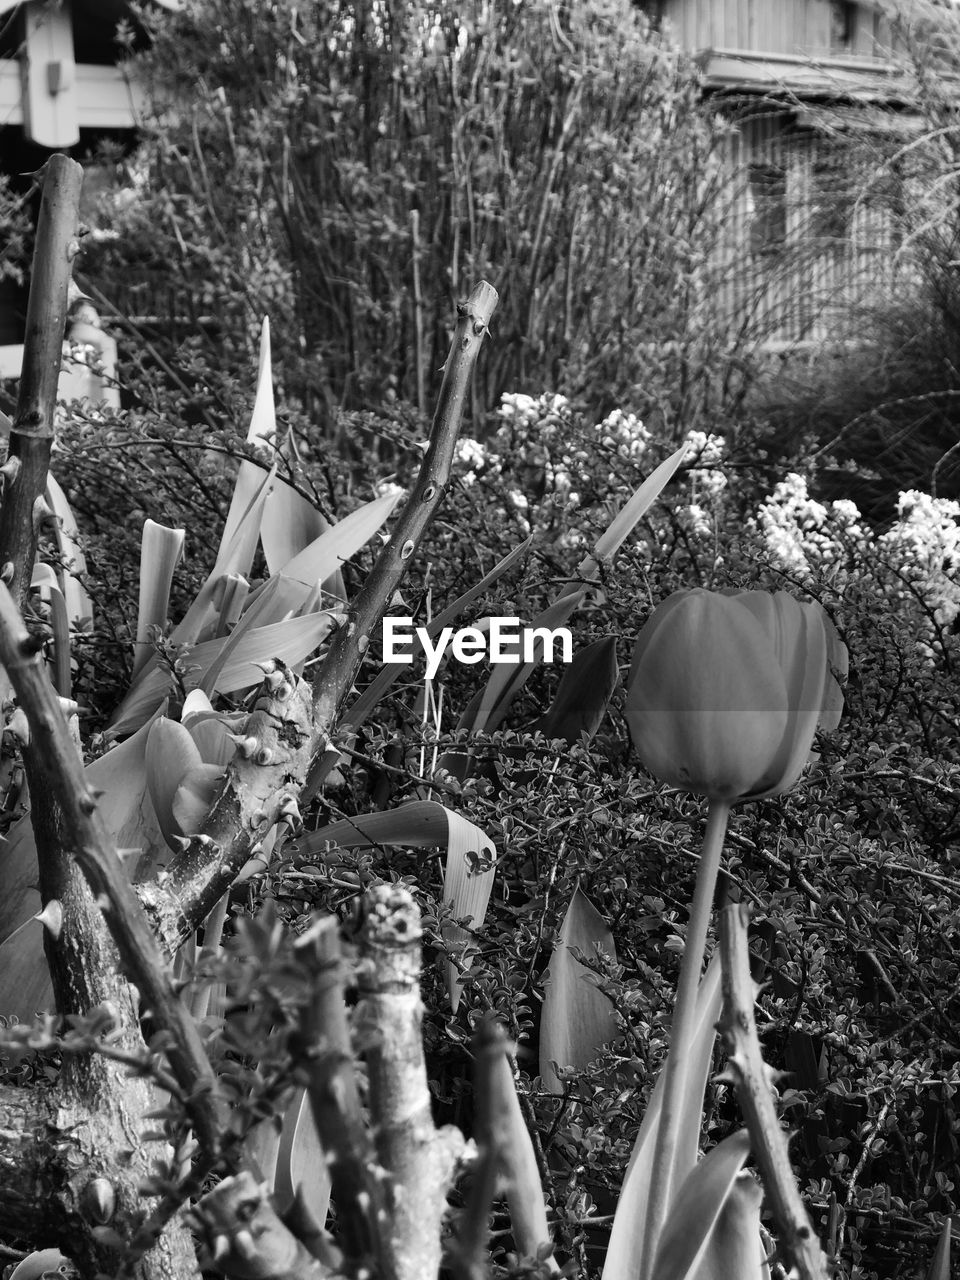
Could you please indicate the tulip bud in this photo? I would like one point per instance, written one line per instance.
(725, 691)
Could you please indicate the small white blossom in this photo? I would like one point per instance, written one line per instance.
(471, 452)
(695, 520)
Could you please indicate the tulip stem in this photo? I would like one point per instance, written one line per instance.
(681, 1034)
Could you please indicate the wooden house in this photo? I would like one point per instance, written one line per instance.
(796, 77)
(63, 88)
(809, 238)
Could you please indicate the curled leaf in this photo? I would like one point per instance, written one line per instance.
(577, 1018)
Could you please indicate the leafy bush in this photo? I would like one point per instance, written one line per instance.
(562, 153)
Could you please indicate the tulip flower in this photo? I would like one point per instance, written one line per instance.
(725, 691)
(724, 696)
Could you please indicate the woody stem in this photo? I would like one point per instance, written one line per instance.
(663, 1181)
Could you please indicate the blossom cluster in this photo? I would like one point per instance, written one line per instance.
(547, 463)
(830, 540)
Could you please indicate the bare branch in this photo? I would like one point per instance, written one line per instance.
(357, 1185)
(25, 474)
(263, 782)
(86, 836)
(339, 668)
(751, 1077)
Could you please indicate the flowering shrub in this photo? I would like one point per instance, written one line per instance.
(831, 542)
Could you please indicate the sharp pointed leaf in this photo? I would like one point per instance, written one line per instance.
(242, 529)
(301, 1163)
(170, 755)
(940, 1266)
(585, 690)
(160, 551)
(78, 602)
(696, 1209)
(632, 512)
(735, 1247)
(577, 1019)
(626, 1236)
(325, 555)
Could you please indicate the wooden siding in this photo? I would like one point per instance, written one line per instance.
(802, 28)
(807, 242)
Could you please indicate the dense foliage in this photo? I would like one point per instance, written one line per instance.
(561, 153)
(394, 153)
(851, 875)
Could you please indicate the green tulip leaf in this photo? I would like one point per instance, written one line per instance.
(323, 558)
(301, 1162)
(507, 679)
(290, 524)
(171, 754)
(470, 864)
(241, 530)
(289, 641)
(697, 1208)
(195, 797)
(518, 1164)
(576, 1019)
(160, 551)
(734, 1246)
(584, 693)
(940, 1265)
(67, 537)
(630, 514)
(629, 1223)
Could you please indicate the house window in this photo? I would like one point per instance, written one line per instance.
(832, 197)
(768, 214)
(843, 19)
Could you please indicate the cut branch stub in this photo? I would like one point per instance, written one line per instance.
(247, 1240)
(420, 1159)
